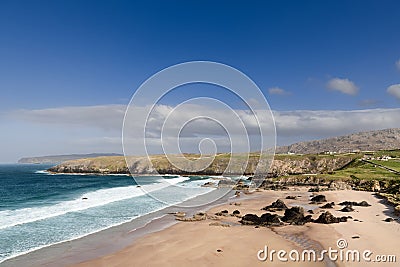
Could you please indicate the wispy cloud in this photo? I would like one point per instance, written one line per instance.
(278, 91)
(394, 90)
(398, 64)
(344, 86)
(105, 117)
(369, 103)
(291, 125)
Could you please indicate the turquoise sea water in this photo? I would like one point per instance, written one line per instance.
(38, 209)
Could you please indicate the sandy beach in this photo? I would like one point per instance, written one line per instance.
(223, 241)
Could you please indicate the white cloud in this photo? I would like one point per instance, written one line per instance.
(398, 64)
(98, 128)
(277, 91)
(105, 117)
(394, 90)
(334, 122)
(344, 86)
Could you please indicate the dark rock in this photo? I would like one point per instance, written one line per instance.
(307, 219)
(328, 218)
(250, 219)
(219, 250)
(291, 197)
(208, 184)
(318, 199)
(348, 208)
(353, 203)
(363, 204)
(222, 213)
(268, 219)
(355, 237)
(276, 206)
(328, 205)
(236, 212)
(295, 215)
(84, 198)
(388, 219)
(310, 211)
(313, 189)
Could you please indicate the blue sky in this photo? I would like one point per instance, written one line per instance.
(57, 54)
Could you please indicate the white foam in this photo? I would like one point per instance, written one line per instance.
(9, 218)
(98, 195)
(173, 181)
(42, 172)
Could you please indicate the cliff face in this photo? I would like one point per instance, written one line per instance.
(308, 164)
(282, 165)
(364, 141)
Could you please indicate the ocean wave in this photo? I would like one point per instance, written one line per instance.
(100, 197)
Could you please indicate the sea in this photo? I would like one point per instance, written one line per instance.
(39, 209)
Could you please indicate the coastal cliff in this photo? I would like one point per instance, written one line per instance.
(281, 165)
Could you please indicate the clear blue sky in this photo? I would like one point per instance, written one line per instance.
(85, 53)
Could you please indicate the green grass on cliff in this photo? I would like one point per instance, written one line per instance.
(358, 169)
(392, 164)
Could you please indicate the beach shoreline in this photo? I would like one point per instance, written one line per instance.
(197, 243)
(213, 243)
(114, 238)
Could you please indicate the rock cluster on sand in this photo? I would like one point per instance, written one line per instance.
(200, 216)
(328, 205)
(328, 218)
(353, 203)
(236, 213)
(318, 199)
(222, 213)
(267, 219)
(347, 208)
(278, 205)
(295, 215)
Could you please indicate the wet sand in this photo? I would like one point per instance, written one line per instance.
(201, 244)
(223, 241)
